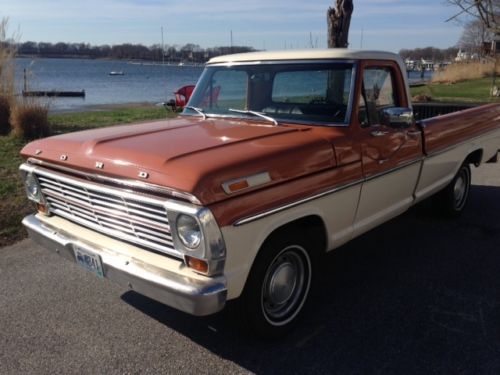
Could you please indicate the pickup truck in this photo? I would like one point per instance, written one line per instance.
(278, 158)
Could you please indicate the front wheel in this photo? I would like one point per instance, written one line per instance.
(453, 198)
(278, 286)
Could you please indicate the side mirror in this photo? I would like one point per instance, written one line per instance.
(397, 117)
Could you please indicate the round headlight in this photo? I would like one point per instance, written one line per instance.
(32, 188)
(188, 231)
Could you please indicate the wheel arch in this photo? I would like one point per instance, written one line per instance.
(475, 157)
(313, 225)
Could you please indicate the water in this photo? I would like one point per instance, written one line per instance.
(415, 76)
(140, 83)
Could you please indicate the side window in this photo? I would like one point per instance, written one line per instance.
(377, 93)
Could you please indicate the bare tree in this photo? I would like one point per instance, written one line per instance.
(488, 11)
(474, 35)
(339, 21)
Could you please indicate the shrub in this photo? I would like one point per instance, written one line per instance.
(30, 120)
(465, 71)
(4, 115)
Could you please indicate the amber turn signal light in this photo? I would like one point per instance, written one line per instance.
(197, 264)
(240, 185)
(42, 208)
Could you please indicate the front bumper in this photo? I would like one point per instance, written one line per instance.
(161, 278)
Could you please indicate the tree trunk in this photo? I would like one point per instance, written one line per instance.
(339, 20)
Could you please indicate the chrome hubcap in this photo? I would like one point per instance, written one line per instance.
(282, 283)
(286, 285)
(460, 189)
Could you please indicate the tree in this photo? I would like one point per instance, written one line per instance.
(488, 11)
(474, 35)
(339, 21)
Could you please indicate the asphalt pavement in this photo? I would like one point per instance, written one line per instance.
(418, 295)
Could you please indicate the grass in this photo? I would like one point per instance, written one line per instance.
(474, 91)
(66, 122)
(13, 202)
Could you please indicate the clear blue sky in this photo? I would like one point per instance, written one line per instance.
(270, 24)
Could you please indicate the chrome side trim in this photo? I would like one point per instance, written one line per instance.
(395, 169)
(294, 204)
(194, 295)
(122, 182)
(321, 195)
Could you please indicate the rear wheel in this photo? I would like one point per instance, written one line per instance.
(278, 286)
(453, 198)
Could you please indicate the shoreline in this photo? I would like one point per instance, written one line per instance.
(105, 107)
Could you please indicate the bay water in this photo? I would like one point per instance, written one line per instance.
(140, 82)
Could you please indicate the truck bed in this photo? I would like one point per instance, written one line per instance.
(424, 111)
(453, 124)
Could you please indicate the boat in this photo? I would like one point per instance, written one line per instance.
(117, 73)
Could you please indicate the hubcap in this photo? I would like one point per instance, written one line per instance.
(282, 283)
(286, 285)
(460, 189)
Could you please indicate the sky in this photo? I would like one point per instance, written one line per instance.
(263, 24)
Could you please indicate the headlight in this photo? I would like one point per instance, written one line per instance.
(188, 231)
(33, 189)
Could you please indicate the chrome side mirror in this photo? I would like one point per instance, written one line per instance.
(397, 117)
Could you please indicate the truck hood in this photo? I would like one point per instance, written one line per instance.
(190, 154)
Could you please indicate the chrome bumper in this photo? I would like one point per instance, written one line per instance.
(194, 294)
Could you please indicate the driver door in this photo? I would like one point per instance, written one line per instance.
(391, 156)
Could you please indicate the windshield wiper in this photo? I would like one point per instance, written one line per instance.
(197, 110)
(258, 114)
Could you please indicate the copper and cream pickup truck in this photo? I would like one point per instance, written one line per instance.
(277, 159)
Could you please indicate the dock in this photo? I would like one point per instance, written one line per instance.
(56, 93)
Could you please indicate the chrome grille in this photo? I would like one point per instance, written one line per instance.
(135, 218)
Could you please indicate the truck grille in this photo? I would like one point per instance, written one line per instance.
(135, 218)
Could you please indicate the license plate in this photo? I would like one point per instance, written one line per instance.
(89, 260)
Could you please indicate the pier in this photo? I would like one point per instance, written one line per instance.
(55, 93)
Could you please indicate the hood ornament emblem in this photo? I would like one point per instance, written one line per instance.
(63, 157)
(143, 174)
(99, 165)
(38, 152)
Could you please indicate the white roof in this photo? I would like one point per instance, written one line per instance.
(307, 54)
(314, 54)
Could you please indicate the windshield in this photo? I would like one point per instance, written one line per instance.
(304, 93)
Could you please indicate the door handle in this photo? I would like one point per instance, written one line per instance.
(379, 133)
(413, 133)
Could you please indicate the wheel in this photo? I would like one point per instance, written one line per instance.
(453, 198)
(278, 286)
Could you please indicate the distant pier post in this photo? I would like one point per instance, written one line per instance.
(25, 80)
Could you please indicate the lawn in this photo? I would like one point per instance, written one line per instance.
(13, 203)
(477, 90)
